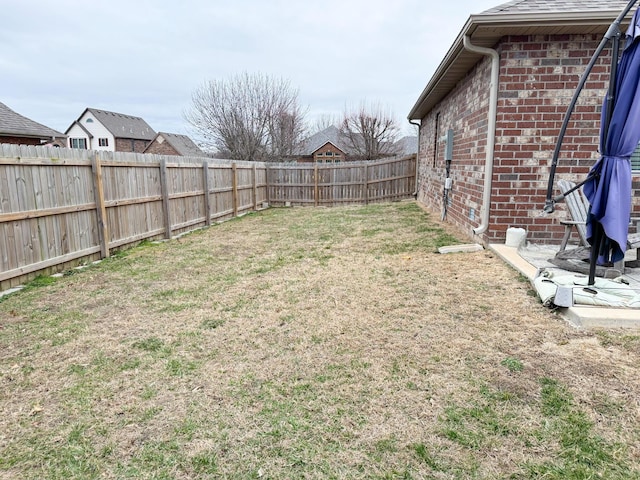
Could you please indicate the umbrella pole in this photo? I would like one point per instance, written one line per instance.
(614, 31)
(612, 91)
(598, 237)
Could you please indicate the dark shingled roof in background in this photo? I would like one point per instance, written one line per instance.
(14, 124)
(124, 126)
(181, 144)
(404, 146)
(330, 134)
(407, 145)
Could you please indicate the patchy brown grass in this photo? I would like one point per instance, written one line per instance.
(310, 343)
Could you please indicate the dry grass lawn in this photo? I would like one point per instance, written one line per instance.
(310, 343)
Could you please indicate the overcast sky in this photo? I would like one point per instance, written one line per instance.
(146, 57)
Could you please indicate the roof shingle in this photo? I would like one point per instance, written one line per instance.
(14, 124)
(330, 134)
(182, 144)
(124, 126)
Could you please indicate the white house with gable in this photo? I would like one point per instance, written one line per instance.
(109, 131)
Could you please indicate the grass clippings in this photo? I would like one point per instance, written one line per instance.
(310, 343)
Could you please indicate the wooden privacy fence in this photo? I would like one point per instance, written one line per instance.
(56, 212)
(341, 183)
(60, 207)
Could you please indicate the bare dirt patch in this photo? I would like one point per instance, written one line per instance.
(310, 343)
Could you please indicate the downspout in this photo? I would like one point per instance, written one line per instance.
(415, 182)
(491, 131)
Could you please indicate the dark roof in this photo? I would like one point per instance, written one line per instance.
(121, 125)
(518, 17)
(407, 145)
(330, 134)
(14, 124)
(181, 144)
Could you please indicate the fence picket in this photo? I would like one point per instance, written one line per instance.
(165, 198)
(101, 211)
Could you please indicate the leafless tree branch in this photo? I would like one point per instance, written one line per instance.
(370, 130)
(248, 117)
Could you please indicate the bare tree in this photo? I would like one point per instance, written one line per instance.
(325, 121)
(286, 132)
(248, 117)
(371, 131)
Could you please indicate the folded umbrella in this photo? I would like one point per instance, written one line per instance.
(608, 187)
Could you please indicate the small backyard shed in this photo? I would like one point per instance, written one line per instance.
(494, 108)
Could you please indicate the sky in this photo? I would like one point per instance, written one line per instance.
(147, 57)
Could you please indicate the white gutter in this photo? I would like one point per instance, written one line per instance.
(415, 191)
(491, 130)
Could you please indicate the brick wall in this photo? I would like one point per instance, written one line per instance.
(20, 140)
(131, 145)
(465, 112)
(336, 154)
(163, 148)
(538, 76)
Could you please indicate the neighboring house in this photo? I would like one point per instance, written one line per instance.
(325, 146)
(174, 144)
(20, 130)
(407, 145)
(541, 48)
(102, 130)
(331, 146)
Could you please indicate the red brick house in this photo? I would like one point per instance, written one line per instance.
(325, 146)
(174, 144)
(500, 140)
(331, 146)
(20, 130)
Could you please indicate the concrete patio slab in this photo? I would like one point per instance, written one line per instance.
(531, 260)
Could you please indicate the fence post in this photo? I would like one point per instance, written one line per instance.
(165, 198)
(101, 211)
(267, 195)
(315, 184)
(255, 188)
(234, 184)
(205, 184)
(366, 184)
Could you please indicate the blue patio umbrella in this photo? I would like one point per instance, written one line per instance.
(608, 187)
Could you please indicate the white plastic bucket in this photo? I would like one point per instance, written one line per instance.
(515, 237)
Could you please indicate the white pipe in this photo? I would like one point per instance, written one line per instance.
(491, 131)
(415, 192)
